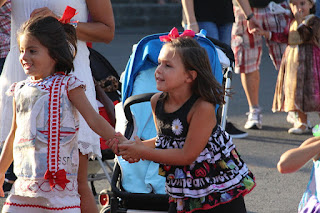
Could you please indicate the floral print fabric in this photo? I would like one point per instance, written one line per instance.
(217, 176)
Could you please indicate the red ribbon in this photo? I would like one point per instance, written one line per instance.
(174, 33)
(57, 178)
(68, 14)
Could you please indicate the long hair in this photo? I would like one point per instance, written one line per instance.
(194, 57)
(60, 40)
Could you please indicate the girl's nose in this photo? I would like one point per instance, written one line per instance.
(23, 55)
(158, 69)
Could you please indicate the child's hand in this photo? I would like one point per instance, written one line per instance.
(132, 149)
(113, 143)
(2, 177)
(262, 32)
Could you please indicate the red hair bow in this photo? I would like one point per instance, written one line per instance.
(59, 177)
(174, 33)
(68, 14)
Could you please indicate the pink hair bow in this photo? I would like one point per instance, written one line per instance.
(68, 14)
(174, 33)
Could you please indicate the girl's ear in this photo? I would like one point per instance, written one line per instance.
(192, 75)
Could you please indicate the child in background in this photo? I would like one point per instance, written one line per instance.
(203, 170)
(297, 89)
(43, 138)
(293, 159)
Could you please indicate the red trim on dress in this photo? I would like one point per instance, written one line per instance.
(41, 207)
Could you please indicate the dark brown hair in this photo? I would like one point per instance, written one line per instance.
(194, 57)
(60, 40)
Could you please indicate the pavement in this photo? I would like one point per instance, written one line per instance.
(261, 150)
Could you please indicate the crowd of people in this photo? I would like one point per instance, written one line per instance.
(48, 96)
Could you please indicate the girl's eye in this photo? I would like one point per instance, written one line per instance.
(32, 51)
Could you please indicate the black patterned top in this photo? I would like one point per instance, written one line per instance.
(218, 171)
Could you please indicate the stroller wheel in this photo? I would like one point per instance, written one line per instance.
(104, 198)
(106, 209)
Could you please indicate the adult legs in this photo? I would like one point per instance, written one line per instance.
(250, 83)
(225, 33)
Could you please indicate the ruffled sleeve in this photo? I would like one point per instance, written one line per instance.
(74, 82)
(11, 90)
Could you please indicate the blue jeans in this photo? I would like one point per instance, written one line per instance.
(220, 32)
(318, 8)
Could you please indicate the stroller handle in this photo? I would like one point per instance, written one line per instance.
(130, 101)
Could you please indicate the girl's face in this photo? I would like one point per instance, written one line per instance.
(170, 73)
(34, 58)
(300, 7)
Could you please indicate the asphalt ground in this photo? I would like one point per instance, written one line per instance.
(261, 150)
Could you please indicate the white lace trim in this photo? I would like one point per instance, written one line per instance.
(92, 150)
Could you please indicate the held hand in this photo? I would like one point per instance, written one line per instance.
(252, 25)
(43, 11)
(2, 177)
(261, 32)
(113, 143)
(131, 149)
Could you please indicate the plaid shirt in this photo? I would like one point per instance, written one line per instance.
(5, 27)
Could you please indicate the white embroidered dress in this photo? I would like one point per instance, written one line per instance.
(89, 142)
(35, 124)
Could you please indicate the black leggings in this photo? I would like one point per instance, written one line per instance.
(235, 206)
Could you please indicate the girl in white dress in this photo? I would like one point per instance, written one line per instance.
(100, 30)
(44, 133)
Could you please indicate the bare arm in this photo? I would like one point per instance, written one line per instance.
(188, 9)
(96, 122)
(246, 9)
(293, 159)
(197, 138)
(102, 27)
(6, 157)
(245, 6)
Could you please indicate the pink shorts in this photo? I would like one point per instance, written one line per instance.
(247, 48)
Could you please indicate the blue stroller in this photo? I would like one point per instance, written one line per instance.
(138, 187)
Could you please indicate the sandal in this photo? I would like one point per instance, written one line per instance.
(297, 130)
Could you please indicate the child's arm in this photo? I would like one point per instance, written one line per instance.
(202, 121)
(277, 37)
(96, 122)
(293, 159)
(6, 157)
